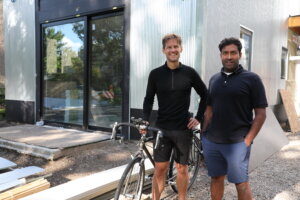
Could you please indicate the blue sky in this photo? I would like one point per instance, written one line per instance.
(70, 38)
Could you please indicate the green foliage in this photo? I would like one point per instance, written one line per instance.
(2, 103)
(2, 97)
(107, 56)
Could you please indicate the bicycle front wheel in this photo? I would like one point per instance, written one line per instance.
(193, 166)
(131, 184)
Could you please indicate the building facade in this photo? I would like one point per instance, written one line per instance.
(85, 63)
(2, 74)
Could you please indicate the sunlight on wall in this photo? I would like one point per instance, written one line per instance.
(19, 29)
(23, 30)
(297, 89)
(13, 18)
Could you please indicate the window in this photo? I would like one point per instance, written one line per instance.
(284, 63)
(106, 65)
(246, 38)
(63, 72)
(68, 82)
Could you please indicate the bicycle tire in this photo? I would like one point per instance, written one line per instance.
(131, 183)
(193, 166)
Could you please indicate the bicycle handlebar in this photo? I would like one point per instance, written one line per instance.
(139, 125)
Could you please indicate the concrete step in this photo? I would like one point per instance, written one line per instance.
(48, 142)
(38, 151)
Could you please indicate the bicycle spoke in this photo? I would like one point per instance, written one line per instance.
(193, 165)
(131, 184)
(131, 189)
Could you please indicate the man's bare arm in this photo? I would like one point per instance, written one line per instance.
(259, 119)
(207, 118)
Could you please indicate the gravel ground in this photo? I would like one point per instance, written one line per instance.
(278, 178)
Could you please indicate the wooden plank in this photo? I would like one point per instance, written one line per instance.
(19, 173)
(294, 21)
(25, 190)
(11, 184)
(290, 110)
(4, 163)
(87, 187)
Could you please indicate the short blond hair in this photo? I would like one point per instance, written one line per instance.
(169, 37)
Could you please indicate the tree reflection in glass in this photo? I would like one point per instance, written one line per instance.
(63, 74)
(106, 62)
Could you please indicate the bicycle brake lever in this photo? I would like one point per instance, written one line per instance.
(121, 139)
(114, 131)
(157, 143)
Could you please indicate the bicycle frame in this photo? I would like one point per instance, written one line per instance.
(143, 149)
(143, 153)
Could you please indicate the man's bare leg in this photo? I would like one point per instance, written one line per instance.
(244, 191)
(182, 180)
(217, 187)
(159, 179)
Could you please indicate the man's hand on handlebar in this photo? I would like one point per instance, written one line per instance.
(141, 125)
(193, 122)
(143, 128)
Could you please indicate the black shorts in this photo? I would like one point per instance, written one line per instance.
(180, 141)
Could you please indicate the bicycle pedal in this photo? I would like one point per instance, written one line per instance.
(172, 183)
(149, 177)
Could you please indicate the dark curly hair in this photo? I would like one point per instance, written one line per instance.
(229, 41)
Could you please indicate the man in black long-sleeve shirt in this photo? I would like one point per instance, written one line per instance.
(172, 83)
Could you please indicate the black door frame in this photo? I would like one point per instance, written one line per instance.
(124, 72)
(126, 64)
(42, 92)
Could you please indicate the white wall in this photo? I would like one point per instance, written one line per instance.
(19, 42)
(150, 21)
(267, 19)
(2, 75)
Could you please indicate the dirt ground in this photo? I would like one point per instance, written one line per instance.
(104, 155)
(268, 181)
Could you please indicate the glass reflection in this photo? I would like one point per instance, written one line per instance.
(106, 61)
(63, 73)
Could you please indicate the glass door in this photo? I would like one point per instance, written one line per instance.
(83, 71)
(106, 41)
(63, 72)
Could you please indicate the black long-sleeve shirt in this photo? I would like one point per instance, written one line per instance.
(173, 90)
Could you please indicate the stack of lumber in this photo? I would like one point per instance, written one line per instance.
(14, 182)
(290, 110)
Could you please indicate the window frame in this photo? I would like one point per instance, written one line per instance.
(284, 65)
(248, 32)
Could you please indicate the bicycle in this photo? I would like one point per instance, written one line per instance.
(133, 178)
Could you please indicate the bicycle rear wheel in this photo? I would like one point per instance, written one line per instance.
(132, 181)
(193, 166)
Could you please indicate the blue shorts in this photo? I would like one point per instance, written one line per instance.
(227, 159)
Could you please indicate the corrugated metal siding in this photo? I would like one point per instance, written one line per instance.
(267, 19)
(19, 43)
(150, 21)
